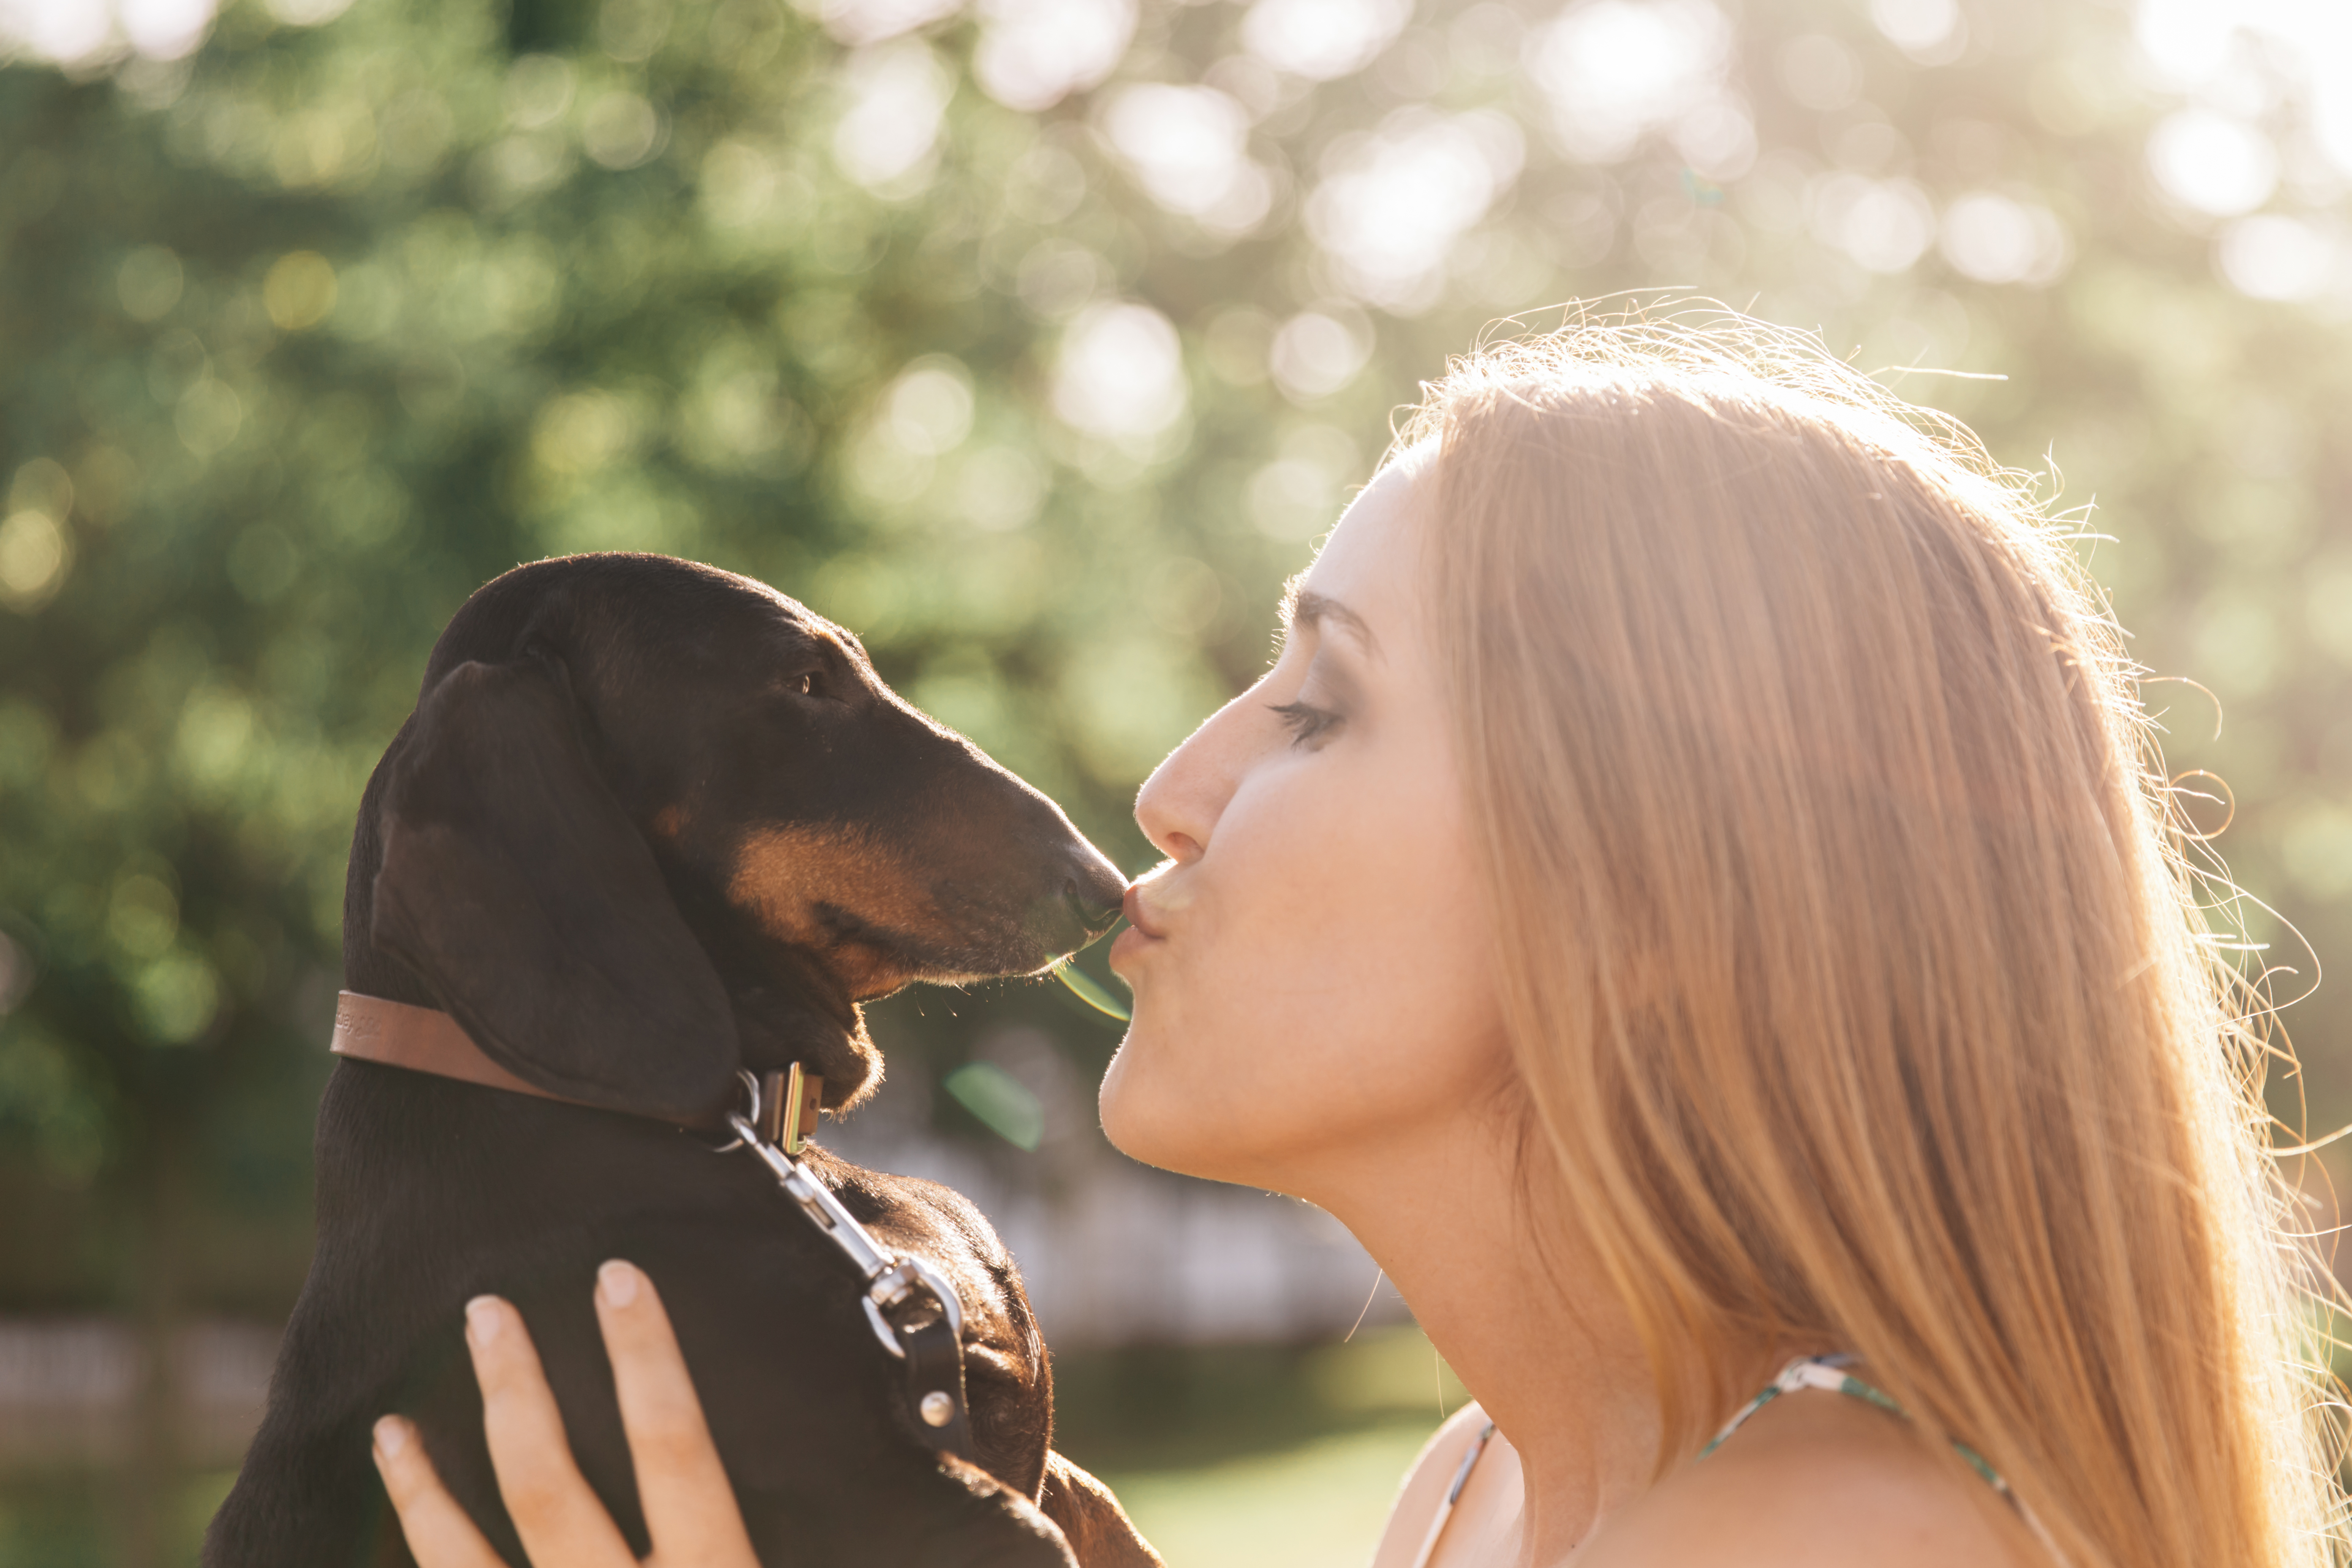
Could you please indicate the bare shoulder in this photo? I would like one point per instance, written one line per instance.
(1424, 1484)
(1819, 1480)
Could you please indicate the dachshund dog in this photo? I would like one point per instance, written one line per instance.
(653, 824)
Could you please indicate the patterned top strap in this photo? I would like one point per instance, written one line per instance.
(1828, 1373)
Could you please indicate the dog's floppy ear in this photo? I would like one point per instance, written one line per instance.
(517, 889)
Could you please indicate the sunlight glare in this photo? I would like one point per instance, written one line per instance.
(1122, 371)
(2211, 162)
(1322, 40)
(896, 93)
(1033, 53)
(1188, 146)
(1616, 70)
(1393, 203)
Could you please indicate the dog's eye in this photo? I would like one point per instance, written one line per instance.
(805, 685)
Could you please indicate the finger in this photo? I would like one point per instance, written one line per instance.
(557, 1516)
(439, 1535)
(691, 1510)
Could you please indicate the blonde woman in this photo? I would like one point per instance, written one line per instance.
(1695, 895)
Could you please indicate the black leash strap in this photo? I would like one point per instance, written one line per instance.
(913, 1310)
(935, 1388)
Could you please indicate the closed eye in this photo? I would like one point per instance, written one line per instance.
(1306, 721)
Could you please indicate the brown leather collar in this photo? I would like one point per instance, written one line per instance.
(422, 1039)
(425, 1039)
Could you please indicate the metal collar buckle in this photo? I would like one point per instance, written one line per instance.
(902, 1291)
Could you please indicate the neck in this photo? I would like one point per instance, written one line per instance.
(1542, 1344)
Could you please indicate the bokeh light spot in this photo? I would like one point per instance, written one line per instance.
(42, 485)
(213, 736)
(1930, 31)
(1322, 40)
(142, 916)
(1000, 489)
(298, 291)
(166, 29)
(1033, 53)
(1188, 147)
(1883, 225)
(1120, 372)
(2273, 256)
(177, 998)
(928, 407)
(1616, 70)
(1316, 353)
(896, 94)
(2213, 163)
(33, 558)
(580, 432)
(538, 90)
(1393, 203)
(863, 22)
(631, 30)
(1995, 238)
(621, 130)
(208, 416)
(63, 32)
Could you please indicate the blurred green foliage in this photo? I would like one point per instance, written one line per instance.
(1035, 340)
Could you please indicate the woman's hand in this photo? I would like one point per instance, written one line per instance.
(690, 1510)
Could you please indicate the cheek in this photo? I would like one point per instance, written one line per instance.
(1325, 985)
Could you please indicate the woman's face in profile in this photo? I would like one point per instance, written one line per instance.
(1310, 966)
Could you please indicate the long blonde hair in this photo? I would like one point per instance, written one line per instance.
(1856, 977)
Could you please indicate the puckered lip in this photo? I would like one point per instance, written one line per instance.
(1139, 914)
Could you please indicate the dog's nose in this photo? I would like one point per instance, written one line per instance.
(1092, 894)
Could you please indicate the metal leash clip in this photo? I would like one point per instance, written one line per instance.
(914, 1312)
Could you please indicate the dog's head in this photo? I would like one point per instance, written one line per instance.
(652, 822)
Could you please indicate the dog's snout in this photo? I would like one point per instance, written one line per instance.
(1081, 894)
(1093, 894)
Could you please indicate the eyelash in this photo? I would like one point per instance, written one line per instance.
(1306, 722)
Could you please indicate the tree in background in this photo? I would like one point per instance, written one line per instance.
(1036, 340)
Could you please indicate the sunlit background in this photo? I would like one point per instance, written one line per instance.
(1036, 339)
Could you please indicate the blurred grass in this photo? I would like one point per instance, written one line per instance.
(1227, 1456)
(1256, 1457)
(1317, 1505)
(76, 1519)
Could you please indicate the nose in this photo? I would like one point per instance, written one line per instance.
(1092, 891)
(1180, 804)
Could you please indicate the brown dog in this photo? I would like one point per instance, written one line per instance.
(652, 824)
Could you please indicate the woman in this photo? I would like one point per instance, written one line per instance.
(1696, 895)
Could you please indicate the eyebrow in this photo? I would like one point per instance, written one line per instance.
(1304, 607)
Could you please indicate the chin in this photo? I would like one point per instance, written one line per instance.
(1121, 1103)
(1162, 1106)
(1145, 1116)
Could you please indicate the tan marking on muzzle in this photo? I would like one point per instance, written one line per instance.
(782, 874)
